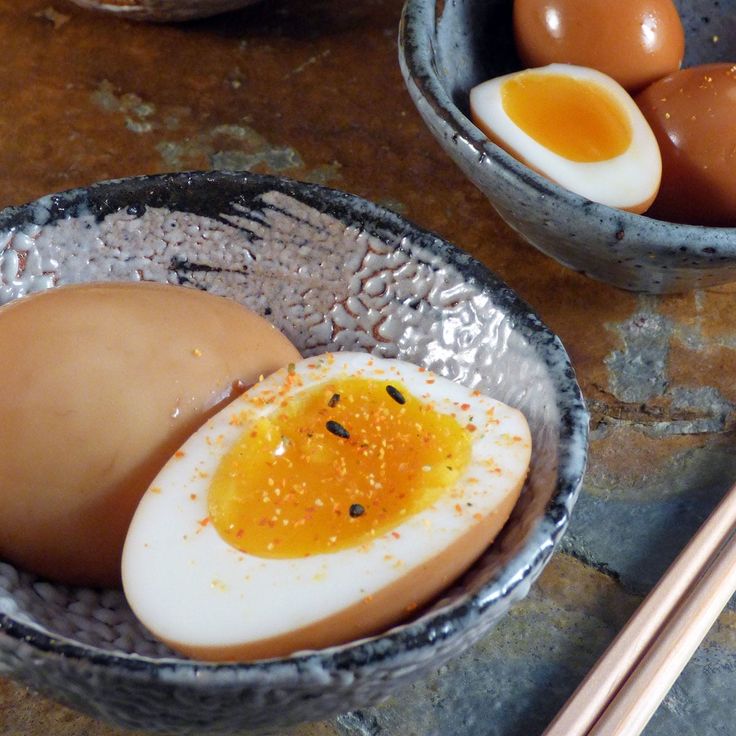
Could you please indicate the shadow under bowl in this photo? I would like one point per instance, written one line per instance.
(446, 48)
(333, 272)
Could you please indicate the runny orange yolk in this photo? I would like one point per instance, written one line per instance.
(336, 466)
(577, 119)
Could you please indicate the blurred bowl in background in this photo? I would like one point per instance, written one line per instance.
(445, 49)
(163, 10)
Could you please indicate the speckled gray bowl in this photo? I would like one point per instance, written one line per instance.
(333, 272)
(446, 48)
(163, 10)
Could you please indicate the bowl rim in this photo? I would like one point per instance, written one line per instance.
(444, 623)
(418, 61)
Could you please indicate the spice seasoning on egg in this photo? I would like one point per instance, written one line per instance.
(337, 429)
(393, 463)
(356, 510)
(395, 394)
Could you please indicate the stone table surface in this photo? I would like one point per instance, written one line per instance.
(311, 89)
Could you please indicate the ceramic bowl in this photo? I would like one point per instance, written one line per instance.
(331, 271)
(163, 10)
(447, 48)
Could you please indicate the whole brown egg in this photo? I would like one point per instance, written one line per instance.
(101, 384)
(636, 42)
(693, 115)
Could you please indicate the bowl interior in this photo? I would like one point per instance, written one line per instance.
(332, 272)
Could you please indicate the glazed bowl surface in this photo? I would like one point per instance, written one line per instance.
(446, 48)
(333, 272)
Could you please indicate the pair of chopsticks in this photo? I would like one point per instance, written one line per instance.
(625, 687)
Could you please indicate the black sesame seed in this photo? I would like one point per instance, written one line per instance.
(334, 401)
(356, 510)
(395, 394)
(337, 429)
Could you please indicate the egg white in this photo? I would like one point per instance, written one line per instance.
(210, 600)
(627, 181)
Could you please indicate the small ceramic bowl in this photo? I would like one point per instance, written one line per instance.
(332, 272)
(447, 48)
(163, 10)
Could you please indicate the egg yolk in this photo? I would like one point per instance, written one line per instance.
(574, 118)
(335, 466)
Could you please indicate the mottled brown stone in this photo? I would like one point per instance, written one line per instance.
(629, 465)
(712, 363)
(579, 590)
(25, 713)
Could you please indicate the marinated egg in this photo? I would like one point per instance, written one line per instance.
(101, 384)
(326, 503)
(693, 116)
(577, 127)
(635, 42)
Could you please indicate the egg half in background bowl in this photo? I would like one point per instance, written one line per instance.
(333, 273)
(448, 49)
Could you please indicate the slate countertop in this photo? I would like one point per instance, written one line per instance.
(311, 89)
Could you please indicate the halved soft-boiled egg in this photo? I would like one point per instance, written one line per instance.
(576, 126)
(326, 503)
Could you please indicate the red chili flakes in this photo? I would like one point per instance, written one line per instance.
(396, 535)
(204, 521)
(465, 407)
(471, 427)
(458, 508)
(478, 517)
(179, 453)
